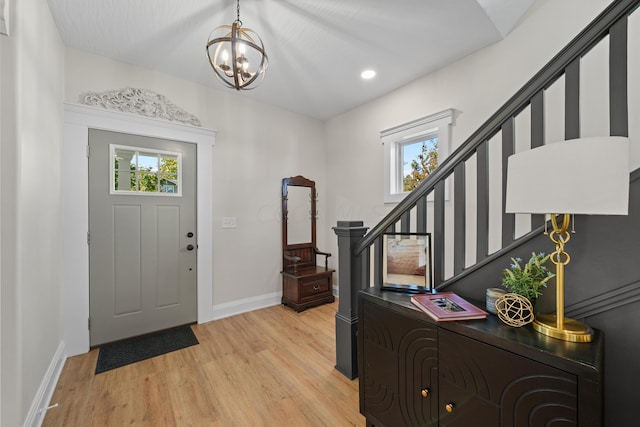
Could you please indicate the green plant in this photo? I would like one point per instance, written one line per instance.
(530, 280)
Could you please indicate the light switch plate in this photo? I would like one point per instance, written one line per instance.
(229, 222)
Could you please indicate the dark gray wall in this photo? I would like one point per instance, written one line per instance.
(602, 288)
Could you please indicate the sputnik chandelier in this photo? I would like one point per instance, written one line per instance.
(237, 55)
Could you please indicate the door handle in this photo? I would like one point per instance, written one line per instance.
(190, 247)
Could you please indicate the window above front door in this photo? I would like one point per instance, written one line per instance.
(144, 171)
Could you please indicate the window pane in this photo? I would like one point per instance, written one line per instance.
(147, 181)
(168, 184)
(169, 164)
(145, 171)
(148, 162)
(419, 159)
(122, 158)
(168, 173)
(125, 181)
(124, 164)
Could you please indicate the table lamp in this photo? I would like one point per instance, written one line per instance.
(579, 176)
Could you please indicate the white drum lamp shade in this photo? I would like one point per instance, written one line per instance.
(578, 176)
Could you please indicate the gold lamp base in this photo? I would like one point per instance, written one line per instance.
(556, 325)
(571, 330)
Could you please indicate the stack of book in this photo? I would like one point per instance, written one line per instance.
(447, 306)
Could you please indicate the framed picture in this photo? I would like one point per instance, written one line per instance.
(406, 265)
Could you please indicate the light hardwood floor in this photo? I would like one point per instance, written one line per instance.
(269, 367)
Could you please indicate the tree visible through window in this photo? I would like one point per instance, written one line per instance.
(146, 171)
(419, 159)
(412, 151)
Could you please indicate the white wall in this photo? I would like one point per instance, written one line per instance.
(32, 92)
(476, 86)
(256, 146)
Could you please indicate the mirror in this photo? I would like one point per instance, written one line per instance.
(298, 212)
(299, 215)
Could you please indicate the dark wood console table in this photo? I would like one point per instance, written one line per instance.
(414, 371)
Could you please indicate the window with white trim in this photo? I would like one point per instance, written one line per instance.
(425, 141)
(144, 171)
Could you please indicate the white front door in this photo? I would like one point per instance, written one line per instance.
(142, 235)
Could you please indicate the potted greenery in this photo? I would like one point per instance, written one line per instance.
(528, 280)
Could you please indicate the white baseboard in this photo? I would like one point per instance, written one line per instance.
(232, 308)
(41, 401)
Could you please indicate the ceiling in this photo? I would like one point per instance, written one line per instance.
(317, 48)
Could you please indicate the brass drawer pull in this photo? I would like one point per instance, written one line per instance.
(424, 392)
(449, 407)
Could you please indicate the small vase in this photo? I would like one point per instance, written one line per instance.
(492, 295)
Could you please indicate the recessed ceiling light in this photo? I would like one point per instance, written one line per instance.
(368, 74)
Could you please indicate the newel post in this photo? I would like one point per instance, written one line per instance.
(349, 283)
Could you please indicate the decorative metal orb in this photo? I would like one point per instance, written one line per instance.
(237, 56)
(514, 310)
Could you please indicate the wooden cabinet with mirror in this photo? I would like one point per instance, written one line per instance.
(304, 283)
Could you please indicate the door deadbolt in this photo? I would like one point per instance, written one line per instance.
(189, 234)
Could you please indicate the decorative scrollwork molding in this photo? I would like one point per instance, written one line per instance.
(140, 101)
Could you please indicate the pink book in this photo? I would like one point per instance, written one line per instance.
(447, 306)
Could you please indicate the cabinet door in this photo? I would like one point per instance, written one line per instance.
(399, 368)
(467, 409)
(501, 388)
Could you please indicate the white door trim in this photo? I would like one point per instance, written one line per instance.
(78, 119)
